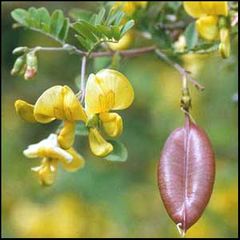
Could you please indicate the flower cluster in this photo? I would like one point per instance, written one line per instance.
(26, 65)
(212, 22)
(105, 91)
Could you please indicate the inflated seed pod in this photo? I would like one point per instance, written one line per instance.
(186, 174)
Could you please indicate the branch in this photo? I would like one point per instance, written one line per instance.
(125, 53)
(180, 69)
(73, 50)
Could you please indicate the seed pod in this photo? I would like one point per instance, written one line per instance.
(186, 174)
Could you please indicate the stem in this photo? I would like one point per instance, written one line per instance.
(74, 50)
(125, 53)
(83, 82)
(184, 83)
(180, 69)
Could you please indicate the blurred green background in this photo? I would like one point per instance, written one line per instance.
(110, 199)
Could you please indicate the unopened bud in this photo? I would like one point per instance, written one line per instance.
(31, 66)
(223, 22)
(225, 45)
(19, 63)
(20, 50)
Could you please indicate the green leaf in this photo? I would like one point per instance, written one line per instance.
(100, 16)
(106, 31)
(93, 29)
(118, 17)
(44, 19)
(34, 19)
(39, 20)
(81, 129)
(119, 153)
(102, 27)
(191, 35)
(84, 43)
(79, 14)
(85, 31)
(116, 32)
(21, 16)
(127, 26)
(64, 32)
(57, 21)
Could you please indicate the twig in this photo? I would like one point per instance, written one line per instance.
(180, 69)
(72, 49)
(125, 53)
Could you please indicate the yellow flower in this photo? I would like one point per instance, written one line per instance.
(105, 91)
(51, 153)
(124, 42)
(58, 102)
(207, 27)
(211, 22)
(129, 7)
(200, 9)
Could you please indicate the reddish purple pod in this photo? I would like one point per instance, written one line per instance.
(186, 174)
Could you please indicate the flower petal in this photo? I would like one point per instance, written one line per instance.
(108, 89)
(72, 107)
(98, 145)
(76, 163)
(127, 7)
(215, 8)
(193, 9)
(112, 123)
(47, 148)
(47, 172)
(58, 102)
(49, 105)
(67, 135)
(199, 9)
(207, 27)
(25, 110)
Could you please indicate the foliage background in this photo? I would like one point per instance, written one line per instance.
(108, 199)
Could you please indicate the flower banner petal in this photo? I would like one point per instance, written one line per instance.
(108, 89)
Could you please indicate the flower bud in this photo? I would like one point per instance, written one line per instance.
(31, 66)
(20, 50)
(19, 63)
(222, 22)
(225, 45)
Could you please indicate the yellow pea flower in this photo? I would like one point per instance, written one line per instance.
(124, 43)
(130, 7)
(210, 16)
(105, 91)
(51, 152)
(200, 9)
(207, 27)
(58, 102)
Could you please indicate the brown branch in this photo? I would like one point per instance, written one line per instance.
(180, 69)
(125, 53)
